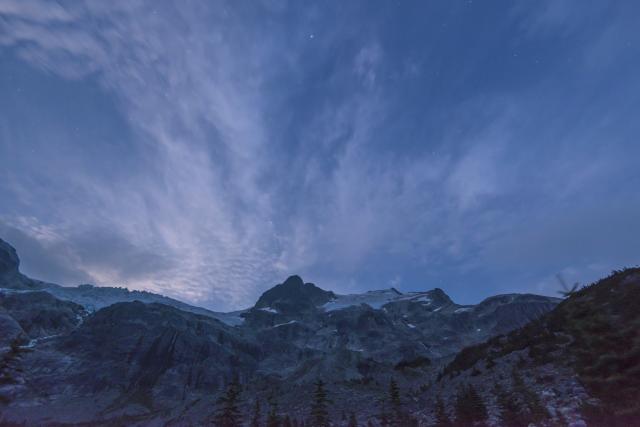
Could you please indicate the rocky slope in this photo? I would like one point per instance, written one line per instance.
(106, 355)
(581, 360)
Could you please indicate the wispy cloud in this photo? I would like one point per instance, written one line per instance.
(199, 202)
(259, 142)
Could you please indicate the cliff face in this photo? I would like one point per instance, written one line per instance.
(9, 261)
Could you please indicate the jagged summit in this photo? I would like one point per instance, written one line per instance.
(292, 298)
(293, 295)
(9, 261)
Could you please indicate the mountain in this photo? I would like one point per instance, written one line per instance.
(293, 296)
(9, 261)
(582, 358)
(92, 298)
(108, 356)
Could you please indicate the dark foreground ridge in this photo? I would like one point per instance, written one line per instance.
(107, 356)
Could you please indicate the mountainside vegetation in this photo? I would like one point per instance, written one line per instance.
(596, 332)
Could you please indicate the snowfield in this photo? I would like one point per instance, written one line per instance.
(376, 299)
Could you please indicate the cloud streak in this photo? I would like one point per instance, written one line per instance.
(252, 143)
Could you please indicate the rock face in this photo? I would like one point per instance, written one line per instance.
(40, 314)
(294, 296)
(9, 261)
(108, 355)
(10, 276)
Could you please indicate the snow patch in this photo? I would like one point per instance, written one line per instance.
(424, 299)
(374, 299)
(233, 318)
(32, 343)
(286, 323)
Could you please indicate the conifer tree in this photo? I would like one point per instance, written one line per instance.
(228, 412)
(353, 422)
(273, 420)
(511, 413)
(319, 408)
(398, 417)
(537, 411)
(257, 415)
(442, 419)
(470, 409)
(384, 415)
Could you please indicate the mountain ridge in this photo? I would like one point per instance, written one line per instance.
(96, 297)
(115, 353)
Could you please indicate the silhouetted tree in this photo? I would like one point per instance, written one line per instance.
(537, 411)
(257, 415)
(273, 419)
(353, 421)
(397, 415)
(228, 414)
(287, 421)
(511, 413)
(383, 416)
(567, 291)
(470, 409)
(319, 408)
(442, 419)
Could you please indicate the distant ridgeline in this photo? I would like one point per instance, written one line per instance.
(306, 356)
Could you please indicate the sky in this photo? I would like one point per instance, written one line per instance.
(206, 150)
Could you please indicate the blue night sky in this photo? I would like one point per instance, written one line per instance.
(207, 150)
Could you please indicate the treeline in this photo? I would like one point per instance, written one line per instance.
(228, 413)
(518, 407)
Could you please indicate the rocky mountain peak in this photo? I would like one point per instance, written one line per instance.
(9, 261)
(294, 295)
(439, 296)
(293, 282)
